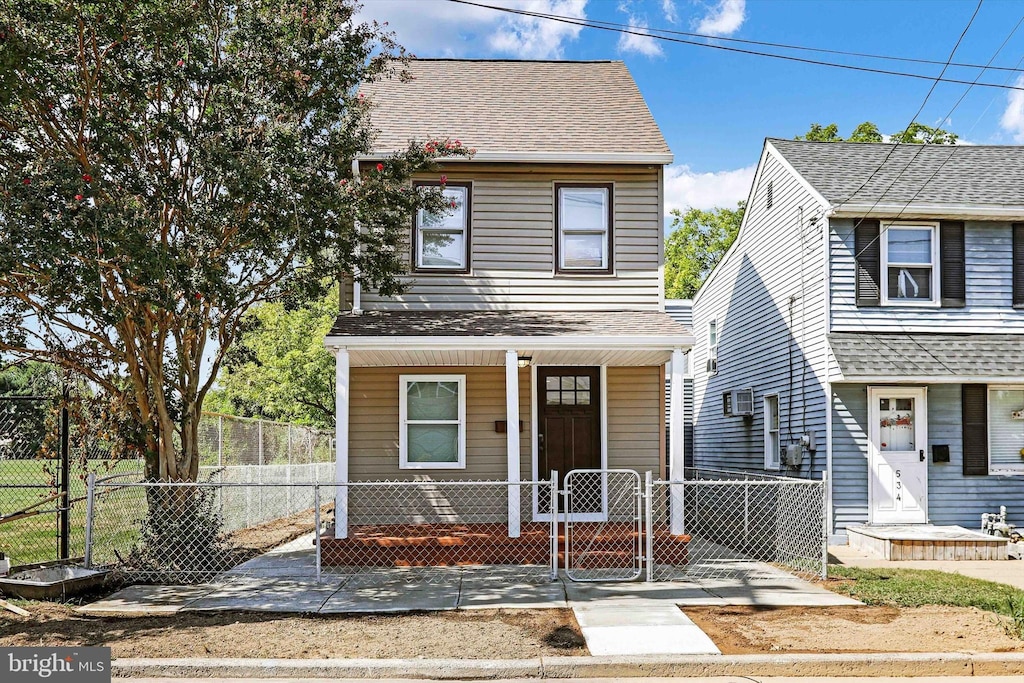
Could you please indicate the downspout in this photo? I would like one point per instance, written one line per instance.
(357, 288)
(826, 231)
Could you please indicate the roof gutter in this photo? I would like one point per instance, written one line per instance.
(393, 343)
(656, 158)
(923, 209)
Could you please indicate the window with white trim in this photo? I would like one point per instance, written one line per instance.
(584, 228)
(441, 240)
(432, 422)
(910, 263)
(712, 364)
(772, 443)
(1006, 430)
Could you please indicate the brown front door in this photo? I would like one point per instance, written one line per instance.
(569, 435)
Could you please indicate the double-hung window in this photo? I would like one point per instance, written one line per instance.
(432, 422)
(772, 444)
(441, 240)
(712, 364)
(583, 214)
(910, 263)
(1006, 429)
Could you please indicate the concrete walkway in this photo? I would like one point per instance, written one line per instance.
(1010, 572)
(635, 618)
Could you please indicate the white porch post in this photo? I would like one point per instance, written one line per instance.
(512, 439)
(341, 411)
(676, 437)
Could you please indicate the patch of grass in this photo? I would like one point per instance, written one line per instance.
(917, 587)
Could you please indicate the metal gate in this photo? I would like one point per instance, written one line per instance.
(603, 525)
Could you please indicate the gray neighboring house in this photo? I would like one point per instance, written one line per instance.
(681, 310)
(868, 323)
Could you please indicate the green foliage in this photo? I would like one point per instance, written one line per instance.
(698, 241)
(279, 369)
(916, 133)
(917, 587)
(167, 164)
(819, 133)
(865, 132)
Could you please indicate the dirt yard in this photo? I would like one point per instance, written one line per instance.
(750, 630)
(477, 634)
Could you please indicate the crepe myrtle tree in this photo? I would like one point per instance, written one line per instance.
(165, 166)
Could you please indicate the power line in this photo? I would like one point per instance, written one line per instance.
(762, 43)
(913, 120)
(942, 164)
(616, 28)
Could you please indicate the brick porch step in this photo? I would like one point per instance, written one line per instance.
(443, 545)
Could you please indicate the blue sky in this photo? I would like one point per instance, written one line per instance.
(715, 108)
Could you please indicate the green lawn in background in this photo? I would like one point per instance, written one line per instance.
(917, 587)
(34, 539)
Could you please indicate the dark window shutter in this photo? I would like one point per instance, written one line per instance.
(868, 253)
(975, 419)
(952, 269)
(1018, 265)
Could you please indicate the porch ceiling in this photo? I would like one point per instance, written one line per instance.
(359, 357)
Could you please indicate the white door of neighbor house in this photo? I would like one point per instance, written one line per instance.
(898, 455)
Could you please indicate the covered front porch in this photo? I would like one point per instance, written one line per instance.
(457, 400)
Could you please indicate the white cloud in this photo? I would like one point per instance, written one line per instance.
(535, 38)
(1013, 116)
(725, 19)
(669, 8)
(437, 28)
(641, 44)
(686, 189)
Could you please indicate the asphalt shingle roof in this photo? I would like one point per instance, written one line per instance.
(507, 324)
(963, 174)
(515, 106)
(928, 355)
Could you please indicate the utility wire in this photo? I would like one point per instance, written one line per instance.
(952, 152)
(927, 97)
(645, 33)
(761, 43)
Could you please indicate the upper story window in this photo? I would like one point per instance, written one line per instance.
(910, 263)
(712, 365)
(432, 416)
(441, 241)
(583, 216)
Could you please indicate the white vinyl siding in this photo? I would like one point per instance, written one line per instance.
(768, 300)
(989, 288)
(513, 245)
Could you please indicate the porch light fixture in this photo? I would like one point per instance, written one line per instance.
(524, 361)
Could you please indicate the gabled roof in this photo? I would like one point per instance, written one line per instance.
(519, 109)
(923, 174)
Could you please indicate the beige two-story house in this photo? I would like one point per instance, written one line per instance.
(532, 337)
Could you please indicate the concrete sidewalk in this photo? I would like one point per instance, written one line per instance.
(1010, 572)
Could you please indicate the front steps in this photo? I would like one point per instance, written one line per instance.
(927, 542)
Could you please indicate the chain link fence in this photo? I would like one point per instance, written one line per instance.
(45, 460)
(723, 524)
(710, 525)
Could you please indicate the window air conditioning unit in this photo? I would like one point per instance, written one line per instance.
(738, 403)
(712, 366)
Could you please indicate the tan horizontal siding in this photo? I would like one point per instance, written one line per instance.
(373, 417)
(513, 242)
(635, 423)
